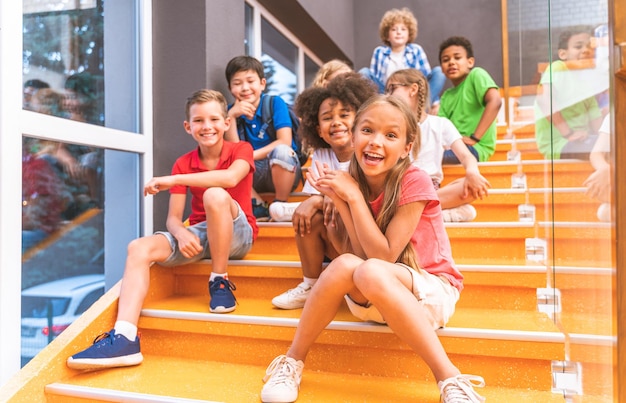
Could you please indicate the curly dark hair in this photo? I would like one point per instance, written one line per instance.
(351, 89)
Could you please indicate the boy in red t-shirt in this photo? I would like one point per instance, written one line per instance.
(218, 174)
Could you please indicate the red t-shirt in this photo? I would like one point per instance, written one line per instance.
(430, 239)
(241, 193)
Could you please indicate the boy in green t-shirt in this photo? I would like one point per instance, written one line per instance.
(474, 101)
(567, 115)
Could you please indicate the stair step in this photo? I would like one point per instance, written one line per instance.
(506, 242)
(539, 173)
(160, 376)
(551, 204)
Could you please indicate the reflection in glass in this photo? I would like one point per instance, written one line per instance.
(310, 70)
(279, 57)
(63, 51)
(62, 218)
(559, 115)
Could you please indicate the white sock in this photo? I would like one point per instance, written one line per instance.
(310, 281)
(126, 329)
(213, 275)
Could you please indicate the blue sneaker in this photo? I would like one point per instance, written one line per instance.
(108, 350)
(222, 298)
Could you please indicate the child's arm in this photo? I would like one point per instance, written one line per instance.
(224, 178)
(492, 101)
(475, 184)
(598, 184)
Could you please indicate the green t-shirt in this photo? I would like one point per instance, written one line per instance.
(464, 106)
(567, 89)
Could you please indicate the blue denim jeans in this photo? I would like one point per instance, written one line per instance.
(239, 246)
(282, 155)
(449, 158)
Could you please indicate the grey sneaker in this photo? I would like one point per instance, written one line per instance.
(460, 389)
(293, 298)
(282, 380)
(463, 213)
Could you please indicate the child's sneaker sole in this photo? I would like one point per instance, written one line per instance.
(101, 363)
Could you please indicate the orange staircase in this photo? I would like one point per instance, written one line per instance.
(529, 320)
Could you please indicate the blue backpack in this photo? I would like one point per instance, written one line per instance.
(267, 114)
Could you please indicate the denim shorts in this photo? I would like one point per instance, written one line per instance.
(282, 155)
(240, 245)
(434, 293)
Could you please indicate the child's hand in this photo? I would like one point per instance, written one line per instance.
(330, 213)
(332, 183)
(158, 184)
(301, 219)
(188, 243)
(242, 108)
(598, 184)
(475, 185)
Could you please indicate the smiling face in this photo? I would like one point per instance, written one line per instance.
(207, 123)
(578, 48)
(455, 63)
(335, 122)
(380, 140)
(247, 86)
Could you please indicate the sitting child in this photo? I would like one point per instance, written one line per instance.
(327, 117)
(566, 126)
(437, 134)
(277, 164)
(398, 268)
(473, 103)
(218, 174)
(398, 30)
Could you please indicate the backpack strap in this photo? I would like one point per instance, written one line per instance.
(267, 114)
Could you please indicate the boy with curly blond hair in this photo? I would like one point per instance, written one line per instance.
(398, 30)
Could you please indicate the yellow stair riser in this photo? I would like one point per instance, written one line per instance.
(506, 295)
(348, 354)
(572, 246)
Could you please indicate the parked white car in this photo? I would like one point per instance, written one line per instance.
(61, 301)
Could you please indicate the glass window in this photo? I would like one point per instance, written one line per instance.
(558, 101)
(310, 70)
(63, 51)
(69, 166)
(249, 26)
(279, 57)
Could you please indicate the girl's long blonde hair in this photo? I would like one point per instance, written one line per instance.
(393, 190)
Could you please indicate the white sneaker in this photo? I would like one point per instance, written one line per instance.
(460, 389)
(604, 212)
(463, 213)
(293, 298)
(282, 380)
(281, 211)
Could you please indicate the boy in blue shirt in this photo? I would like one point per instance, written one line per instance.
(474, 101)
(277, 164)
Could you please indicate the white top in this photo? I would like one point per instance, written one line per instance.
(325, 156)
(396, 62)
(437, 134)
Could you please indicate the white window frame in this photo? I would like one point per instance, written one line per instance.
(15, 122)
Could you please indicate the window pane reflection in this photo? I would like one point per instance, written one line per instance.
(63, 52)
(62, 237)
(279, 56)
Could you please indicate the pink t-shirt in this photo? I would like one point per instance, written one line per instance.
(430, 239)
(241, 192)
